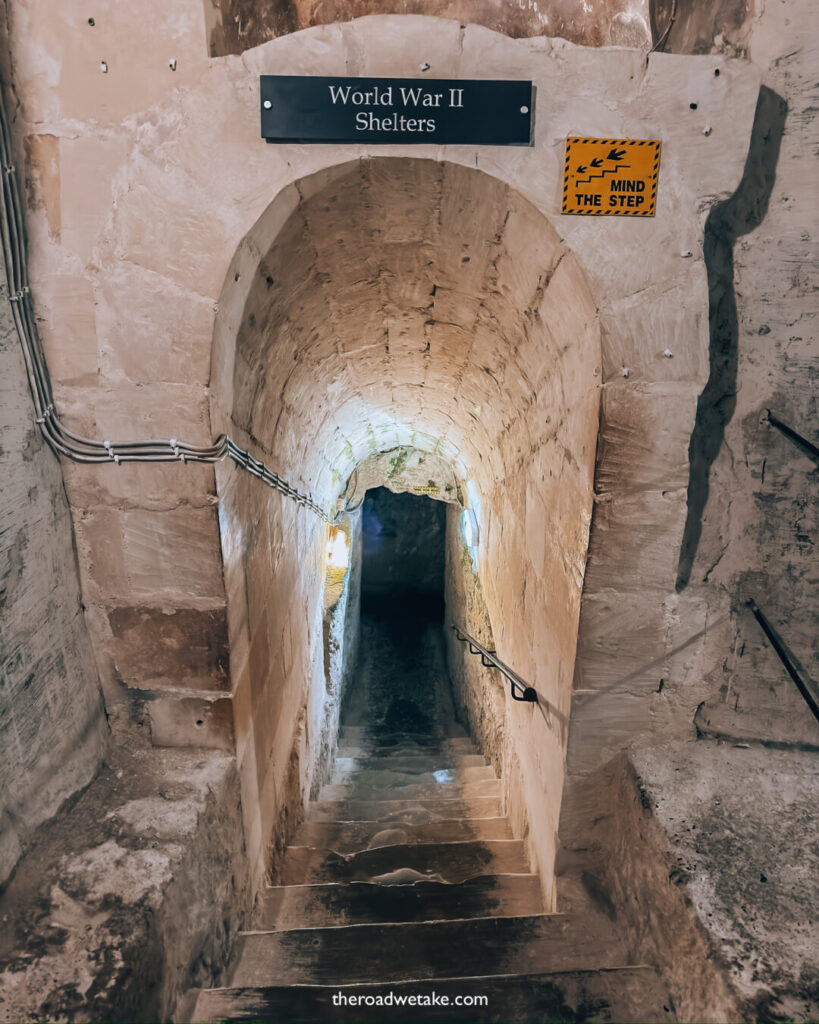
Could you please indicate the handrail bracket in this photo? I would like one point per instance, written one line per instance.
(528, 694)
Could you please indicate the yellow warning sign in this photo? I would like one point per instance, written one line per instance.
(611, 177)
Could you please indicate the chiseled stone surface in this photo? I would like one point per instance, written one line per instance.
(741, 823)
(52, 723)
(237, 25)
(131, 896)
(760, 523)
(506, 389)
(404, 468)
(703, 853)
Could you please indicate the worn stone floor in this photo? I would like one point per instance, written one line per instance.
(406, 878)
(741, 822)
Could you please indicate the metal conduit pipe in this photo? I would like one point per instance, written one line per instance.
(58, 436)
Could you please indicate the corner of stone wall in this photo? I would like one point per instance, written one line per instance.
(53, 732)
(614, 849)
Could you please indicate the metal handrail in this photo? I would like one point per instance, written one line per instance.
(784, 656)
(488, 660)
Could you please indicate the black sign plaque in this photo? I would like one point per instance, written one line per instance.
(406, 111)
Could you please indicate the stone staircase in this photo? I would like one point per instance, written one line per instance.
(404, 882)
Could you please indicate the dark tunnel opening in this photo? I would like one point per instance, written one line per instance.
(401, 684)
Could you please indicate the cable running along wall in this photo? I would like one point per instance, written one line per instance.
(62, 440)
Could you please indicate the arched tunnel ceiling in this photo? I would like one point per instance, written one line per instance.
(238, 25)
(412, 303)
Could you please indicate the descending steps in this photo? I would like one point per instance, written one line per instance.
(405, 881)
(632, 994)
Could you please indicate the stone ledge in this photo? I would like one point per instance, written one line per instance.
(701, 852)
(129, 896)
(741, 824)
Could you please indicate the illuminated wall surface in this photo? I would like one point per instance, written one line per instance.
(575, 407)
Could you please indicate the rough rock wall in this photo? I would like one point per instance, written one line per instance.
(403, 469)
(478, 691)
(236, 25)
(275, 612)
(480, 694)
(739, 822)
(697, 26)
(625, 864)
(759, 522)
(52, 724)
(703, 853)
(132, 895)
(749, 533)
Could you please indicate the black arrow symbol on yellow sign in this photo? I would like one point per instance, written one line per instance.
(581, 168)
(597, 162)
(616, 154)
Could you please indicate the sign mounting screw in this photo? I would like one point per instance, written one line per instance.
(524, 110)
(267, 104)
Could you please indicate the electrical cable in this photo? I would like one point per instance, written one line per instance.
(58, 436)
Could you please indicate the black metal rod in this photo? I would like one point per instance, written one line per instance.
(784, 656)
(801, 442)
(488, 659)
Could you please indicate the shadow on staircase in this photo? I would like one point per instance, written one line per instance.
(405, 896)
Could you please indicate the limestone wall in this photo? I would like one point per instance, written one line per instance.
(160, 224)
(237, 25)
(749, 501)
(759, 523)
(479, 693)
(274, 574)
(477, 339)
(52, 726)
(130, 897)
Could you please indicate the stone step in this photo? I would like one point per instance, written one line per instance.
(390, 865)
(416, 812)
(350, 837)
(454, 731)
(356, 757)
(317, 906)
(365, 790)
(450, 749)
(418, 742)
(389, 953)
(631, 995)
(400, 774)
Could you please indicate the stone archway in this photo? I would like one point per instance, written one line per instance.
(408, 302)
(181, 206)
